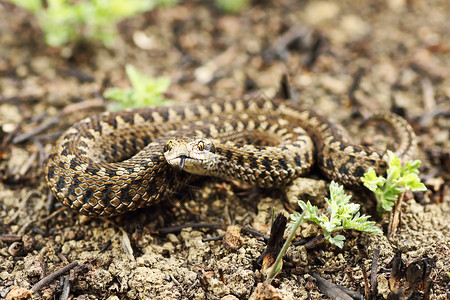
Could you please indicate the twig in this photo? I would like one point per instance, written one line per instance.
(49, 278)
(20, 207)
(316, 49)
(79, 74)
(353, 294)
(66, 288)
(373, 273)
(190, 290)
(83, 105)
(355, 85)
(437, 111)
(41, 151)
(330, 289)
(38, 129)
(395, 220)
(26, 166)
(435, 72)
(48, 136)
(50, 201)
(63, 259)
(366, 282)
(10, 238)
(256, 233)
(296, 36)
(105, 246)
(312, 243)
(212, 239)
(25, 227)
(9, 136)
(67, 110)
(52, 215)
(16, 99)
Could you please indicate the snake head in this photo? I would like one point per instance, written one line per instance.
(193, 155)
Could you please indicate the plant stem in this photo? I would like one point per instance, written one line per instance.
(380, 195)
(276, 265)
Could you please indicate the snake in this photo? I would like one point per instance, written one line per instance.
(116, 162)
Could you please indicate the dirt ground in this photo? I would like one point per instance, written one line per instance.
(345, 59)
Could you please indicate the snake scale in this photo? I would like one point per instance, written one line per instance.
(117, 162)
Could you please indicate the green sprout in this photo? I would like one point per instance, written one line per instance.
(399, 179)
(65, 20)
(232, 6)
(341, 215)
(145, 91)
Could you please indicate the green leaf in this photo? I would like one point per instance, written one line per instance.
(64, 20)
(31, 5)
(343, 214)
(232, 6)
(145, 90)
(337, 240)
(394, 161)
(411, 167)
(398, 179)
(372, 181)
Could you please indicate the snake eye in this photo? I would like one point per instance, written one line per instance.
(201, 145)
(168, 146)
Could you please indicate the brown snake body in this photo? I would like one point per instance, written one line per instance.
(113, 163)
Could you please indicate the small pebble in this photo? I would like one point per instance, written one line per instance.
(233, 240)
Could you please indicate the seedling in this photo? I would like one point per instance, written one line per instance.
(398, 179)
(64, 20)
(341, 215)
(145, 91)
(232, 6)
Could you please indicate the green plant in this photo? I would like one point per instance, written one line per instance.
(341, 215)
(65, 20)
(232, 6)
(145, 91)
(398, 179)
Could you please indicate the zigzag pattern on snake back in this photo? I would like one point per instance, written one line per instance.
(113, 163)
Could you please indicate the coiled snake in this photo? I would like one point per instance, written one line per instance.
(113, 163)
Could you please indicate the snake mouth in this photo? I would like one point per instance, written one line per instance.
(187, 164)
(182, 161)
